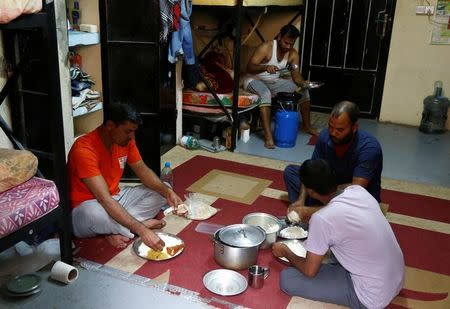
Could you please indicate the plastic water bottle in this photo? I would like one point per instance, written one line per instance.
(167, 174)
(189, 142)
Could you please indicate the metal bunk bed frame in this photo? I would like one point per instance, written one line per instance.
(237, 16)
(45, 22)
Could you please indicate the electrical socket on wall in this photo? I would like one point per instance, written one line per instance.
(425, 10)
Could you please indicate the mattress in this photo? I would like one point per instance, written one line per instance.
(206, 99)
(249, 2)
(26, 203)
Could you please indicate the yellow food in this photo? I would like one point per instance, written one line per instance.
(157, 255)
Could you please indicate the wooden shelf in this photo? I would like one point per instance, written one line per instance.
(77, 38)
(82, 110)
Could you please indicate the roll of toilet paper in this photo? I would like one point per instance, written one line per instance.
(63, 272)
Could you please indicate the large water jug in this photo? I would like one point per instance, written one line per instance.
(286, 119)
(435, 108)
(286, 128)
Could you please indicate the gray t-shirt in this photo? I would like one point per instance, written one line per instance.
(354, 228)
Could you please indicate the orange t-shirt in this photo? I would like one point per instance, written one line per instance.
(88, 157)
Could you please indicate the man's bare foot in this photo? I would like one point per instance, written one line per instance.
(311, 130)
(117, 241)
(269, 144)
(154, 223)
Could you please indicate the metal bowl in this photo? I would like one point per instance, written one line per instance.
(225, 282)
(270, 224)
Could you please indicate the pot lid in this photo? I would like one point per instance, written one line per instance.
(242, 235)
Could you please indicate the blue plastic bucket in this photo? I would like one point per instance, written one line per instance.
(286, 128)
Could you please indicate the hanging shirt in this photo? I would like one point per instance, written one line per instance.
(181, 42)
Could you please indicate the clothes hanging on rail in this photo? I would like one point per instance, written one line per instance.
(181, 41)
(169, 18)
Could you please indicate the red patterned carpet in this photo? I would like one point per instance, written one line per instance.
(427, 252)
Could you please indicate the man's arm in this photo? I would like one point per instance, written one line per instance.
(294, 58)
(150, 180)
(261, 54)
(99, 189)
(304, 212)
(309, 266)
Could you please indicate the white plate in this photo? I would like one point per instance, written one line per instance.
(170, 240)
(225, 282)
(296, 247)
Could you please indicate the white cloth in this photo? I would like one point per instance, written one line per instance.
(354, 228)
(90, 218)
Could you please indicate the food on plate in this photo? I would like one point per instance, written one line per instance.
(174, 249)
(181, 209)
(156, 255)
(293, 232)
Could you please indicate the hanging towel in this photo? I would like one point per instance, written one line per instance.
(181, 42)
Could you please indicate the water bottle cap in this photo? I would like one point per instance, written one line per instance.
(167, 164)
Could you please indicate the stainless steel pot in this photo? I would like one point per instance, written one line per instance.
(270, 224)
(237, 246)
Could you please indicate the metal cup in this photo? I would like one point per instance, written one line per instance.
(256, 276)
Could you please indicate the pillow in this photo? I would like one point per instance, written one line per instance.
(10, 9)
(16, 167)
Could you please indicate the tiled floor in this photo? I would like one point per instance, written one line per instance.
(408, 154)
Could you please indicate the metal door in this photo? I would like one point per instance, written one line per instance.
(346, 45)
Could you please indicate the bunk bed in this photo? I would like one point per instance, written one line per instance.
(29, 205)
(216, 107)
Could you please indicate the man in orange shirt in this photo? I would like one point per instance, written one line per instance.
(95, 165)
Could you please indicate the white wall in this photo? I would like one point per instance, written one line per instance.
(413, 66)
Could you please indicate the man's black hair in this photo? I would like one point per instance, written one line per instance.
(319, 176)
(120, 112)
(289, 31)
(348, 107)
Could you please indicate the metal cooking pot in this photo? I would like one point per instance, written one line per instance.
(270, 224)
(237, 246)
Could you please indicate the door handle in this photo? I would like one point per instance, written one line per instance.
(381, 24)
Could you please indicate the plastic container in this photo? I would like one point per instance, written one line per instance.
(167, 174)
(286, 128)
(189, 142)
(435, 108)
(208, 228)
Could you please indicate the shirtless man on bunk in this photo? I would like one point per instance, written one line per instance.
(267, 60)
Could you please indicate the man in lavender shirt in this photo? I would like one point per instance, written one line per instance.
(366, 268)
